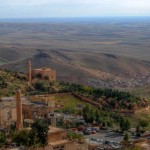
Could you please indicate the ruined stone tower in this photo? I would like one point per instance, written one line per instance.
(19, 124)
(29, 76)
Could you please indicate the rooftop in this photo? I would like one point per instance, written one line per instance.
(61, 142)
(54, 129)
(43, 69)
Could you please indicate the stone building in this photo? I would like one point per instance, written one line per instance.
(56, 134)
(43, 73)
(10, 111)
(33, 110)
(57, 140)
(16, 109)
(7, 111)
(43, 99)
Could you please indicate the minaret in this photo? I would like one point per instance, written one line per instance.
(19, 124)
(29, 76)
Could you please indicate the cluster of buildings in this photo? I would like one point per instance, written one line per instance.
(20, 109)
(17, 109)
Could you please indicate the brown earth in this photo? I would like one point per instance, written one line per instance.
(97, 54)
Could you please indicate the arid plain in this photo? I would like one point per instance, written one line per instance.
(101, 54)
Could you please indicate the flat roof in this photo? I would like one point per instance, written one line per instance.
(54, 129)
(61, 142)
(41, 69)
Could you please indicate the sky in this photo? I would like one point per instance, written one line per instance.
(73, 8)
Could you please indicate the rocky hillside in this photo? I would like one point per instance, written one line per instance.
(10, 82)
(94, 69)
(105, 98)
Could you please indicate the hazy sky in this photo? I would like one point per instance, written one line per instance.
(73, 8)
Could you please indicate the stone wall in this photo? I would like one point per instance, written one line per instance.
(47, 100)
(7, 115)
(31, 111)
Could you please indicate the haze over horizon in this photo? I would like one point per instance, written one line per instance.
(68, 8)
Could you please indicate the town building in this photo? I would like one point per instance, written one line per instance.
(57, 140)
(42, 73)
(7, 112)
(16, 109)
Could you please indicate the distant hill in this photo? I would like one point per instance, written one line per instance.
(80, 67)
(105, 54)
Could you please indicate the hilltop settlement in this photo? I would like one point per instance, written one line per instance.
(38, 112)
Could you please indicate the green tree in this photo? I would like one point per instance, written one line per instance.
(125, 124)
(126, 137)
(97, 116)
(138, 130)
(110, 123)
(21, 137)
(40, 132)
(3, 83)
(144, 123)
(86, 113)
(40, 86)
(37, 136)
(92, 116)
(2, 138)
(73, 135)
(122, 122)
